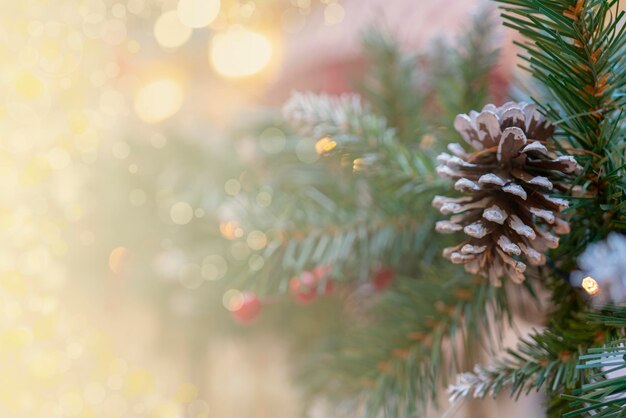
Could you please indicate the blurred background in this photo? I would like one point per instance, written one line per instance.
(126, 132)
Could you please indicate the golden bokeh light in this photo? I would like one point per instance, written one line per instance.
(358, 165)
(256, 240)
(590, 285)
(198, 13)
(169, 31)
(239, 52)
(230, 230)
(158, 100)
(325, 145)
(233, 299)
(116, 259)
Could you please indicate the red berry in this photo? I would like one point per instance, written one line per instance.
(382, 278)
(249, 310)
(304, 288)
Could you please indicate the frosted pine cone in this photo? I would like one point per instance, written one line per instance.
(507, 212)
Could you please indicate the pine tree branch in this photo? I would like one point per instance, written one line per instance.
(575, 49)
(462, 73)
(605, 393)
(547, 359)
(391, 85)
(427, 327)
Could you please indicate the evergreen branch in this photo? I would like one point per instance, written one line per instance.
(575, 49)
(462, 73)
(374, 210)
(419, 322)
(555, 359)
(605, 393)
(547, 359)
(391, 85)
(344, 118)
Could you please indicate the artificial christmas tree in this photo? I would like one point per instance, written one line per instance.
(363, 174)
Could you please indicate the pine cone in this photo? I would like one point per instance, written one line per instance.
(507, 212)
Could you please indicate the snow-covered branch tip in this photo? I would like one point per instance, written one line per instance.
(477, 384)
(322, 114)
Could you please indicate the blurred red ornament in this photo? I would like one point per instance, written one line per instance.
(383, 277)
(249, 310)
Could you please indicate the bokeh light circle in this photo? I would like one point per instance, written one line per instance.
(239, 52)
(169, 31)
(198, 13)
(158, 100)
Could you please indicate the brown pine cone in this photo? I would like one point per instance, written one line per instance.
(507, 211)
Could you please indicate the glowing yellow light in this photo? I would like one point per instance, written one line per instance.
(138, 382)
(240, 53)
(116, 259)
(198, 13)
(358, 165)
(590, 285)
(28, 85)
(325, 145)
(230, 230)
(169, 31)
(158, 100)
(12, 281)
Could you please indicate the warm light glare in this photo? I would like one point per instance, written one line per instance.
(230, 230)
(590, 285)
(116, 258)
(325, 145)
(169, 31)
(158, 100)
(240, 53)
(198, 13)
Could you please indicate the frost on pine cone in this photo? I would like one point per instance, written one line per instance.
(507, 213)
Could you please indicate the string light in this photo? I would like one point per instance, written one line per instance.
(358, 164)
(325, 145)
(590, 285)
